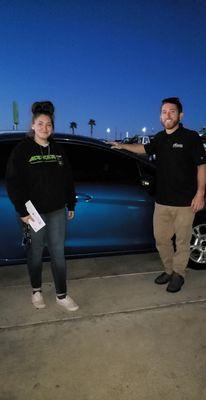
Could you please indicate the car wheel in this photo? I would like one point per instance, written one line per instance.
(198, 246)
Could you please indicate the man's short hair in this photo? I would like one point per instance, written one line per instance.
(173, 100)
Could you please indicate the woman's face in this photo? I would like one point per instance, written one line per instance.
(42, 127)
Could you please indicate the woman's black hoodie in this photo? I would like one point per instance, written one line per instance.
(40, 174)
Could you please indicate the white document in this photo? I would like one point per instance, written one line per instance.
(37, 222)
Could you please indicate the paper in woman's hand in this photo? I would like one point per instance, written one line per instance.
(37, 222)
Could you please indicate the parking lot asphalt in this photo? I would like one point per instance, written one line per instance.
(130, 339)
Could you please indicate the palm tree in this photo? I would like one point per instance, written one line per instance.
(73, 126)
(92, 123)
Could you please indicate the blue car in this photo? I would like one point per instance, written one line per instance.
(114, 203)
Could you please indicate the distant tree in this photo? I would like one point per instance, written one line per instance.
(73, 126)
(92, 123)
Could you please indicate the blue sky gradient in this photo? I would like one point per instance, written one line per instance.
(109, 60)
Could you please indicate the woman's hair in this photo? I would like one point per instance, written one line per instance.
(43, 107)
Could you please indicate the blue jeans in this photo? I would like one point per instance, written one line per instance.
(51, 235)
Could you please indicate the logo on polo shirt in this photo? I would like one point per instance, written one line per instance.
(177, 146)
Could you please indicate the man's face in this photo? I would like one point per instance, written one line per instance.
(170, 116)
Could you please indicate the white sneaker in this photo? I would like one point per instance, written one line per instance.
(67, 303)
(37, 300)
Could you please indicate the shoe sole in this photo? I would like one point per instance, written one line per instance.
(67, 309)
(162, 283)
(175, 291)
(39, 307)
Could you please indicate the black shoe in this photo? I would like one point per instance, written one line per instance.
(163, 278)
(175, 283)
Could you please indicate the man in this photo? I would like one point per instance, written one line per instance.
(180, 189)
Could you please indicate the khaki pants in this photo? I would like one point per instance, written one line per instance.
(169, 220)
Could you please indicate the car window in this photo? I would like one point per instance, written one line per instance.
(101, 165)
(90, 163)
(5, 150)
(147, 170)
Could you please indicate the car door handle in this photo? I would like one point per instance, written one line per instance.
(84, 197)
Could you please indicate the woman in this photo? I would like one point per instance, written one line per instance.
(39, 171)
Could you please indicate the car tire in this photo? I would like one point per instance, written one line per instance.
(198, 244)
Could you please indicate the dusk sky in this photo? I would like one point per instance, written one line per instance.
(109, 60)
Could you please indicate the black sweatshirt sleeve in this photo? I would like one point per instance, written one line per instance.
(16, 181)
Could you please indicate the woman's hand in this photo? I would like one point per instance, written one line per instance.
(26, 219)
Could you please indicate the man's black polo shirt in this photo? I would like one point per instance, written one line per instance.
(177, 156)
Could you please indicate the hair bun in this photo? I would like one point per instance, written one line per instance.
(42, 107)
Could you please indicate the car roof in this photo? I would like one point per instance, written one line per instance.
(16, 135)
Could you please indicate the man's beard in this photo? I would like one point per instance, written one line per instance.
(170, 124)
